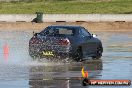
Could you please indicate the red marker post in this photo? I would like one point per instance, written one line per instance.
(6, 51)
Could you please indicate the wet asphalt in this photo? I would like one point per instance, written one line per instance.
(19, 70)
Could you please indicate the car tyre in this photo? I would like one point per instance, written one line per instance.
(33, 55)
(79, 55)
(99, 52)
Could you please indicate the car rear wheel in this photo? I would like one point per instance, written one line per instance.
(79, 55)
(33, 54)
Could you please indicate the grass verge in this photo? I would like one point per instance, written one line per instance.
(67, 7)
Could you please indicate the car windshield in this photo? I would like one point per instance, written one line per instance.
(60, 31)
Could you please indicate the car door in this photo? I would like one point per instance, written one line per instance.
(88, 43)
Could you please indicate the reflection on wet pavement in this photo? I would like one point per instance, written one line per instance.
(66, 74)
(20, 71)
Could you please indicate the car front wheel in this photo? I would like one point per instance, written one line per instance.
(99, 52)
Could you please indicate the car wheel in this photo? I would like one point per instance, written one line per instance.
(33, 54)
(99, 52)
(79, 55)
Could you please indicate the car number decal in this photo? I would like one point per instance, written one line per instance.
(48, 53)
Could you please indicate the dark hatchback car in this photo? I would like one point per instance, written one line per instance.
(73, 42)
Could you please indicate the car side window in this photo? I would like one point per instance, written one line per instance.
(84, 32)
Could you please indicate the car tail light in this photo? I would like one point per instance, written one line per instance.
(64, 42)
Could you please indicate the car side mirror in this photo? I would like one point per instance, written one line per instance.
(95, 36)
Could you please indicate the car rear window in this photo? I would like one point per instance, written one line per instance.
(65, 31)
(62, 31)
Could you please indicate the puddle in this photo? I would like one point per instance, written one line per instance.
(20, 71)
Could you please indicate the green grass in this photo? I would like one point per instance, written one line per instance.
(67, 6)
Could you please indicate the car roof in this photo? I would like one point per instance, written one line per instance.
(66, 26)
